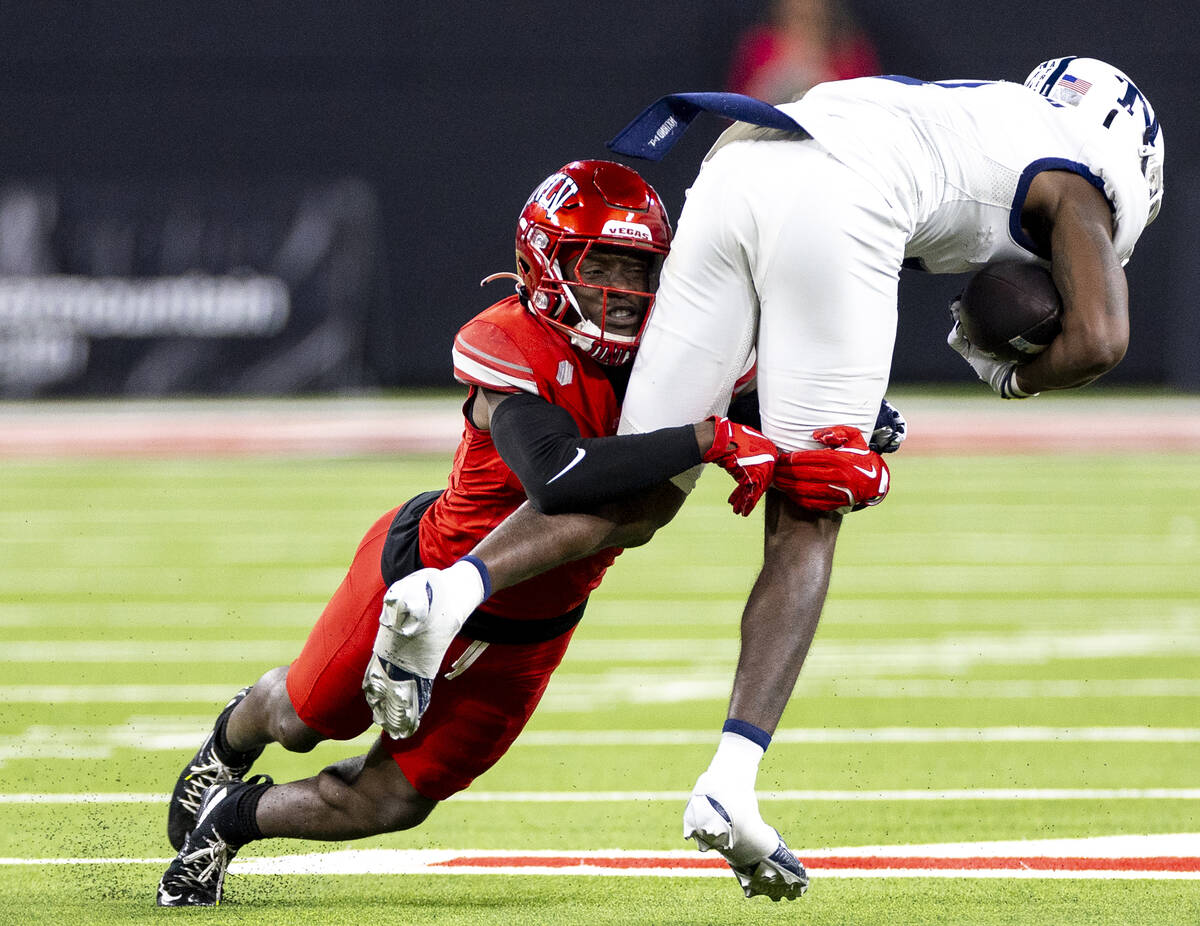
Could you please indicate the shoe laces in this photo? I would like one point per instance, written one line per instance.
(200, 866)
(205, 772)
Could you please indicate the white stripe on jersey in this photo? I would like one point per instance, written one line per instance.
(463, 344)
(469, 371)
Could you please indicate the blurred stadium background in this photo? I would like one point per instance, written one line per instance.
(262, 201)
(275, 199)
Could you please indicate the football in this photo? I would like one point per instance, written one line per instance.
(1011, 310)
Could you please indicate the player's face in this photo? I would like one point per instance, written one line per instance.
(616, 312)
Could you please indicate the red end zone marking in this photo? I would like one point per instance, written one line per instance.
(578, 861)
(872, 863)
(844, 863)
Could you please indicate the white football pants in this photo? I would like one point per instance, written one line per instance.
(783, 248)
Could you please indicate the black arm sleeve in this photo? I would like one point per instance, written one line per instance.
(562, 471)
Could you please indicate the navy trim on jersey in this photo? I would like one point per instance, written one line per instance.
(1018, 203)
(656, 128)
(949, 84)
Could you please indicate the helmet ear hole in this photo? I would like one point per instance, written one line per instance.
(1108, 120)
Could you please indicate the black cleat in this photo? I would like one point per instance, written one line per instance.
(196, 878)
(204, 771)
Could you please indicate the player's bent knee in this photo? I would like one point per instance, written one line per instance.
(292, 733)
(375, 803)
(281, 720)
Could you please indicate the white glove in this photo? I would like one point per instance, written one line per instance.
(421, 615)
(999, 374)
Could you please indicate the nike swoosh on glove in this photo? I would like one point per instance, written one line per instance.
(846, 476)
(748, 456)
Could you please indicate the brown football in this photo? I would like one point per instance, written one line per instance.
(1011, 310)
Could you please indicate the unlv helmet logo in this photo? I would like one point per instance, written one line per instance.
(553, 192)
(626, 230)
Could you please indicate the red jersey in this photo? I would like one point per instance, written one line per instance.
(507, 349)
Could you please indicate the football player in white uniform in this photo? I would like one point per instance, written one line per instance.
(791, 241)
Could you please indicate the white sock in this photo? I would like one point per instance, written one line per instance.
(736, 760)
(730, 780)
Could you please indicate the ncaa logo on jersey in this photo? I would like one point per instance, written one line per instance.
(553, 192)
(626, 230)
(566, 372)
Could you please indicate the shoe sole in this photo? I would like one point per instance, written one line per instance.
(765, 878)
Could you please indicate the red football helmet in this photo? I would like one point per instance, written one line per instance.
(584, 205)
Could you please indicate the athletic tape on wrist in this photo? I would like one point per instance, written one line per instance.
(756, 735)
(1009, 388)
(483, 573)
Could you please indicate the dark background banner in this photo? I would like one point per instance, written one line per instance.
(370, 158)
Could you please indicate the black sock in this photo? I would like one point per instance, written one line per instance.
(224, 751)
(237, 820)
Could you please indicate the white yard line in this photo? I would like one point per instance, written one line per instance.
(822, 735)
(154, 734)
(638, 797)
(945, 655)
(576, 692)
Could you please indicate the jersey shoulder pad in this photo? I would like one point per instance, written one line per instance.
(503, 348)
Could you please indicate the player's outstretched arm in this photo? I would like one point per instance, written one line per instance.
(561, 471)
(529, 542)
(1076, 220)
(424, 610)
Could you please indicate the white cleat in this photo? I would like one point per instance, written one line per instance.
(421, 615)
(763, 865)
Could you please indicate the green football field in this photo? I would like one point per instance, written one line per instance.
(1009, 655)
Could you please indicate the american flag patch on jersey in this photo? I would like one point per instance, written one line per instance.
(1077, 84)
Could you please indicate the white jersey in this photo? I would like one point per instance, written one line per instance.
(957, 158)
(793, 245)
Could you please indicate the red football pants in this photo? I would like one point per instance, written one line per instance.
(472, 718)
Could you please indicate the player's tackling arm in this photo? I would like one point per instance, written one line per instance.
(533, 539)
(564, 472)
(1076, 219)
(528, 542)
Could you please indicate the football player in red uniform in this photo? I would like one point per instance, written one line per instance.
(547, 370)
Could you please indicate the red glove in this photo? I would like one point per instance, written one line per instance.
(747, 456)
(846, 477)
